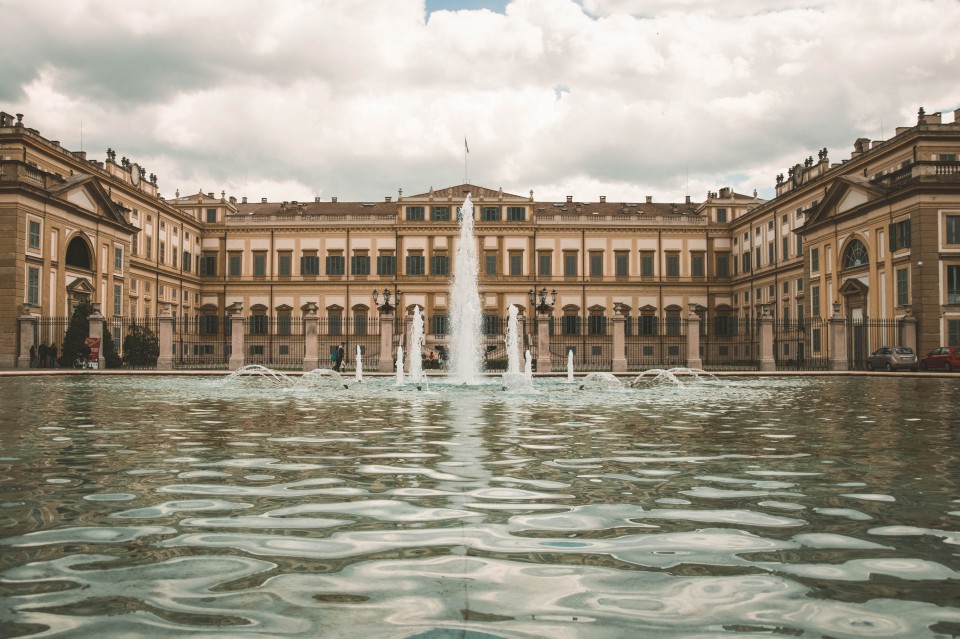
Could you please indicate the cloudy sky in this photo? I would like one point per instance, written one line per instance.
(359, 98)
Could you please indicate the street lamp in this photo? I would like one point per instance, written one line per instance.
(538, 300)
(387, 307)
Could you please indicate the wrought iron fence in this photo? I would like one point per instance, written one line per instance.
(732, 344)
(653, 344)
(801, 345)
(137, 340)
(202, 342)
(590, 339)
(866, 335)
(351, 332)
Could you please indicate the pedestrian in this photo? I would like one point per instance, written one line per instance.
(338, 359)
(33, 356)
(85, 355)
(42, 355)
(52, 354)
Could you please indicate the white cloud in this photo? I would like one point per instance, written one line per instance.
(357, 98)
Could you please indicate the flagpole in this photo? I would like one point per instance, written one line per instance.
(466, 151)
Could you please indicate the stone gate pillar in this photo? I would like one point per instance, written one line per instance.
(767, 360)
(237, 357)
(27, 322)
(543, 343)
(910, 331)
(311, 336)
(165, 360)
(837, 340)
(385, 361)
(693, 339)
(97, 321)
(619, 364)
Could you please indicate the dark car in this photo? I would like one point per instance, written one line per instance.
(892, 358)
(945, 357)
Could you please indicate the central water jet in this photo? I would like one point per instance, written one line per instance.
(466, 351)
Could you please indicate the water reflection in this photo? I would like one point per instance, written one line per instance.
(171, 507)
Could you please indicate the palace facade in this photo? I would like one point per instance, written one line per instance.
(872, 235)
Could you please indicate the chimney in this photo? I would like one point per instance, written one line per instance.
(316, 199)
(233, 200)
(603, 199)
(244, 201)
(210, 194)
(388, 199)
(81, 154)
(725, 192)
(649, 199)
(334, 199)
(688, 199)
(569, 199)
(263, 200)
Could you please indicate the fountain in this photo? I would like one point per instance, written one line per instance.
(415, 346)
(570, 366)
(465, 354)
(673, 376)
(399, 365)
(528, 365)
(358, 372)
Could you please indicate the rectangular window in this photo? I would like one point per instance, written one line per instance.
(953, 286)
(723, 265)
(490, 264)
(336, 264)
(360, 325)
(621, 263)
(815, 301)
(208, 324)
(360, 264)
(817, 345)
(899, 235)
(491, 325)
(440, 265)
(310, 265)
(799, 285)
(416, 264)
(285, 264)
(953, 229)
(148, 242)
(784, 247)
(746, 261)
(187, 262)
(439, 325)
(260, 264)
(646, 264)
(545, 263)
(208, 265)
(596, 264)
(440, 213)
(163, 253)
(799, 245)
(722, 216)
(415, 213)
(673, 322)
(117, 298)
(516, 264)
(814, 259)
(516, 213)
(596, 325)
(697, 265)
(33, 286)
(118, 258)
(283, 324)
(234, 264)
(490, 214)
(757, 252)
(570, 264)
(570, 325)
(334, 327)
(903, 291)
(673, 264)
(647, 324)
(771, 254)
(176, 258)
(770, 225)
(34, 234)
(211, 216)
(386, 264)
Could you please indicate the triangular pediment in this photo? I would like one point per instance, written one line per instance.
(853, 286)
(846, 194)
(85, 192)
(459, 192)
(80, 285)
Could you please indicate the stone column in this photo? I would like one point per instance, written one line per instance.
(767, 360)
(837, 340)
(165, 360)
(910, 331)
(543, 343)
(619, 364)
(311, 336)
(97, 321)
(693, 339)
(385, 362)
(28, 331)
(237, 356)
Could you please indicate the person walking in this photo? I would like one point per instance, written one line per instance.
(52, 354)
(42, 355)
(338, 360)
(33, 356)
(85, 355)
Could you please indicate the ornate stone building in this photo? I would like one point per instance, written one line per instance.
(877, 232)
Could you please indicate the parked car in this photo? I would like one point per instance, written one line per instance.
(892, 358)
(945, 357)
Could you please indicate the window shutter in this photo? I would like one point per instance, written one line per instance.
(892, 233)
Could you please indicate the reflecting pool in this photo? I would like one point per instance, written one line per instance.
(193, 507)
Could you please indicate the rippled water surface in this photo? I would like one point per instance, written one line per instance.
(190, 507)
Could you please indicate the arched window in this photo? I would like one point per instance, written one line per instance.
(78, 253)
(855, 255)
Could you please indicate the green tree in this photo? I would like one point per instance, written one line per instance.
(77, 333)
(141, 347)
